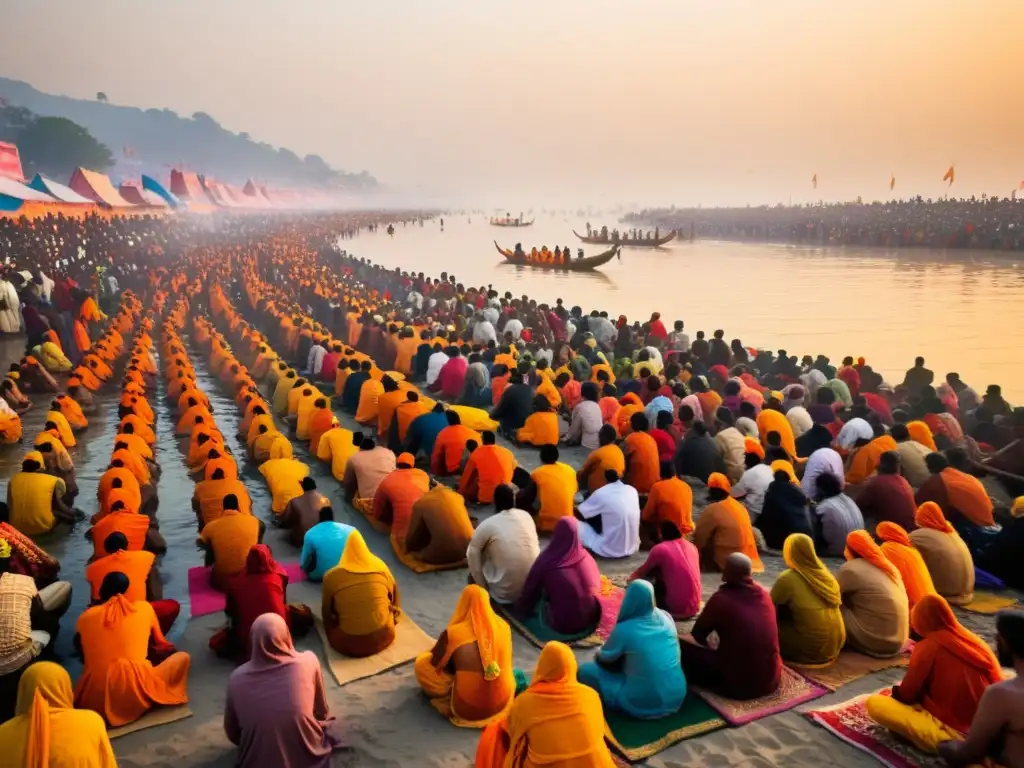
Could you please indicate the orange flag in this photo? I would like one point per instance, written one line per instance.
(950, 176)
(814, 181)
(892, 180)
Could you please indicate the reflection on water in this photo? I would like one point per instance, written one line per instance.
(958, 309)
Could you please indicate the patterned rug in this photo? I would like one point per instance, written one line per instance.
(852, 665)
(536, 630)
(850, 722)
(794, 689)
(639, 739)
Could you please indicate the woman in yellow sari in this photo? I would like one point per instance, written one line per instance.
(468, 675)
(48, 731)
(361, 605)
(556, 721)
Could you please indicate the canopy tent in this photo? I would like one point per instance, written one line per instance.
(136, 195)
(152, 185)
(19, 200)
(97, 187)
(10, 162)
(58, 191)
(188, 189)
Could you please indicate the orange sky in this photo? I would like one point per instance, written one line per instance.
(568, 102)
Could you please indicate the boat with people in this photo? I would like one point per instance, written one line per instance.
(631, 239)
(557, 259)
(511, 221)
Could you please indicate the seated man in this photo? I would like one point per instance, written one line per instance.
(35, 499)
(642, 458)
(946, 556)
(303, 512)
(950, 669)
(228, 540)
(396, 495)
(440, 529)
(608, 456)
(837, 516)
(746, 663)
(115, 638)
(875, 606)
(550, 491)
(887, 495)
(671, 501)
(450, 446)
(283, 474)
(541, 426)
(323, 545)
(610, 519)
(422, 431)
(997, 730)
(57, 461)
(673, 569)
(503, 548)
(723, 528)
(961, 497)
(143, 579)
(208, 498)
(337, 445)
(487, 467)
(364, 473)
(141, 532)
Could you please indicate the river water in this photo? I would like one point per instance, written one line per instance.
(960, 310)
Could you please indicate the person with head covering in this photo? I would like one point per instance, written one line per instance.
(887, 495)
(950, 669)
(556, 721)
(723, 528)
(563, 583)
(283, 474)
(468, 675)
(864, 461)
(227, 541)
(837, 515)
(807, 600)
(784, 511)
(875, 606)
(35, 499)
(439, 529)
(757, 477)
(944, 553)
(551, 490)
(772, 419)
(961, 497)
(361, 604)
(610, 519)
(489, 465)
(673, 569)
(276, 711)
(637, 670)
(670, 500)
(119, 682)
(853, 431)
(745, 664)
(48, 731)
(899, 550)
(503, 548)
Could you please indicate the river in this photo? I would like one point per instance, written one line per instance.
(885, 305)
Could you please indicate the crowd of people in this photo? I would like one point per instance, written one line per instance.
(984, 223)
(795, 456)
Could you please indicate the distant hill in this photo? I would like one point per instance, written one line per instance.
(153, 140)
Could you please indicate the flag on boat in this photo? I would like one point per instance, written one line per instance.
(950, 176)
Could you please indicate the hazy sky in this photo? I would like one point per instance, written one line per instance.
(565, 101)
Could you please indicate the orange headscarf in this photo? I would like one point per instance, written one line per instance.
(475, 620)
(932, 618)
(750, 445)
(720, 481)
(860, 544)
(929, 515)
(901, 553)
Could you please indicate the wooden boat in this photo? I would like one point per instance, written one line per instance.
(586, 264)
(511, 223)
(626, 242)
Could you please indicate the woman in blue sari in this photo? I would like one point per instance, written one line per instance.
(637, 671)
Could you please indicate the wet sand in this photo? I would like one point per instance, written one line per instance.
(385, 720)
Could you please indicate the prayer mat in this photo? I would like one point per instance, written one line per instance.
(536, 630)
(986, 602)
(156, 716)
(366, 507)
(639, 739)
(204, 599)
(410, 642)
(413, 563)
(852, 665)
(794, 689)
(850, 722)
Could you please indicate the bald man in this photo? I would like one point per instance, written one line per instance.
(745, 662)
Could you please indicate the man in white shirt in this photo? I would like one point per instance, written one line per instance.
(315, 360)
(503, 548)
(483, 331)
(753, 485)
(514, 326)
(611, 519)
(586, 419)
(435, 363)
(491, 315)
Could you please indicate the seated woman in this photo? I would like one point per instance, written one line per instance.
(48, 731)
(950, 668)
(468, 675)
(875, 606)
(900, 552)
(541, 427)
(276, 710)
(948, 560)
(807, 600)
(361, 605)
(673, 569)
(556, 721)
(563, 584)
(637, 670)
(119, 681)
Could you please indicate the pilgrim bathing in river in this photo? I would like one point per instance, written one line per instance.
(360, 445)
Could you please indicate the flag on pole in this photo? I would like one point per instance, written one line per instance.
(814, 181)
(949, 176)
(892, 180)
